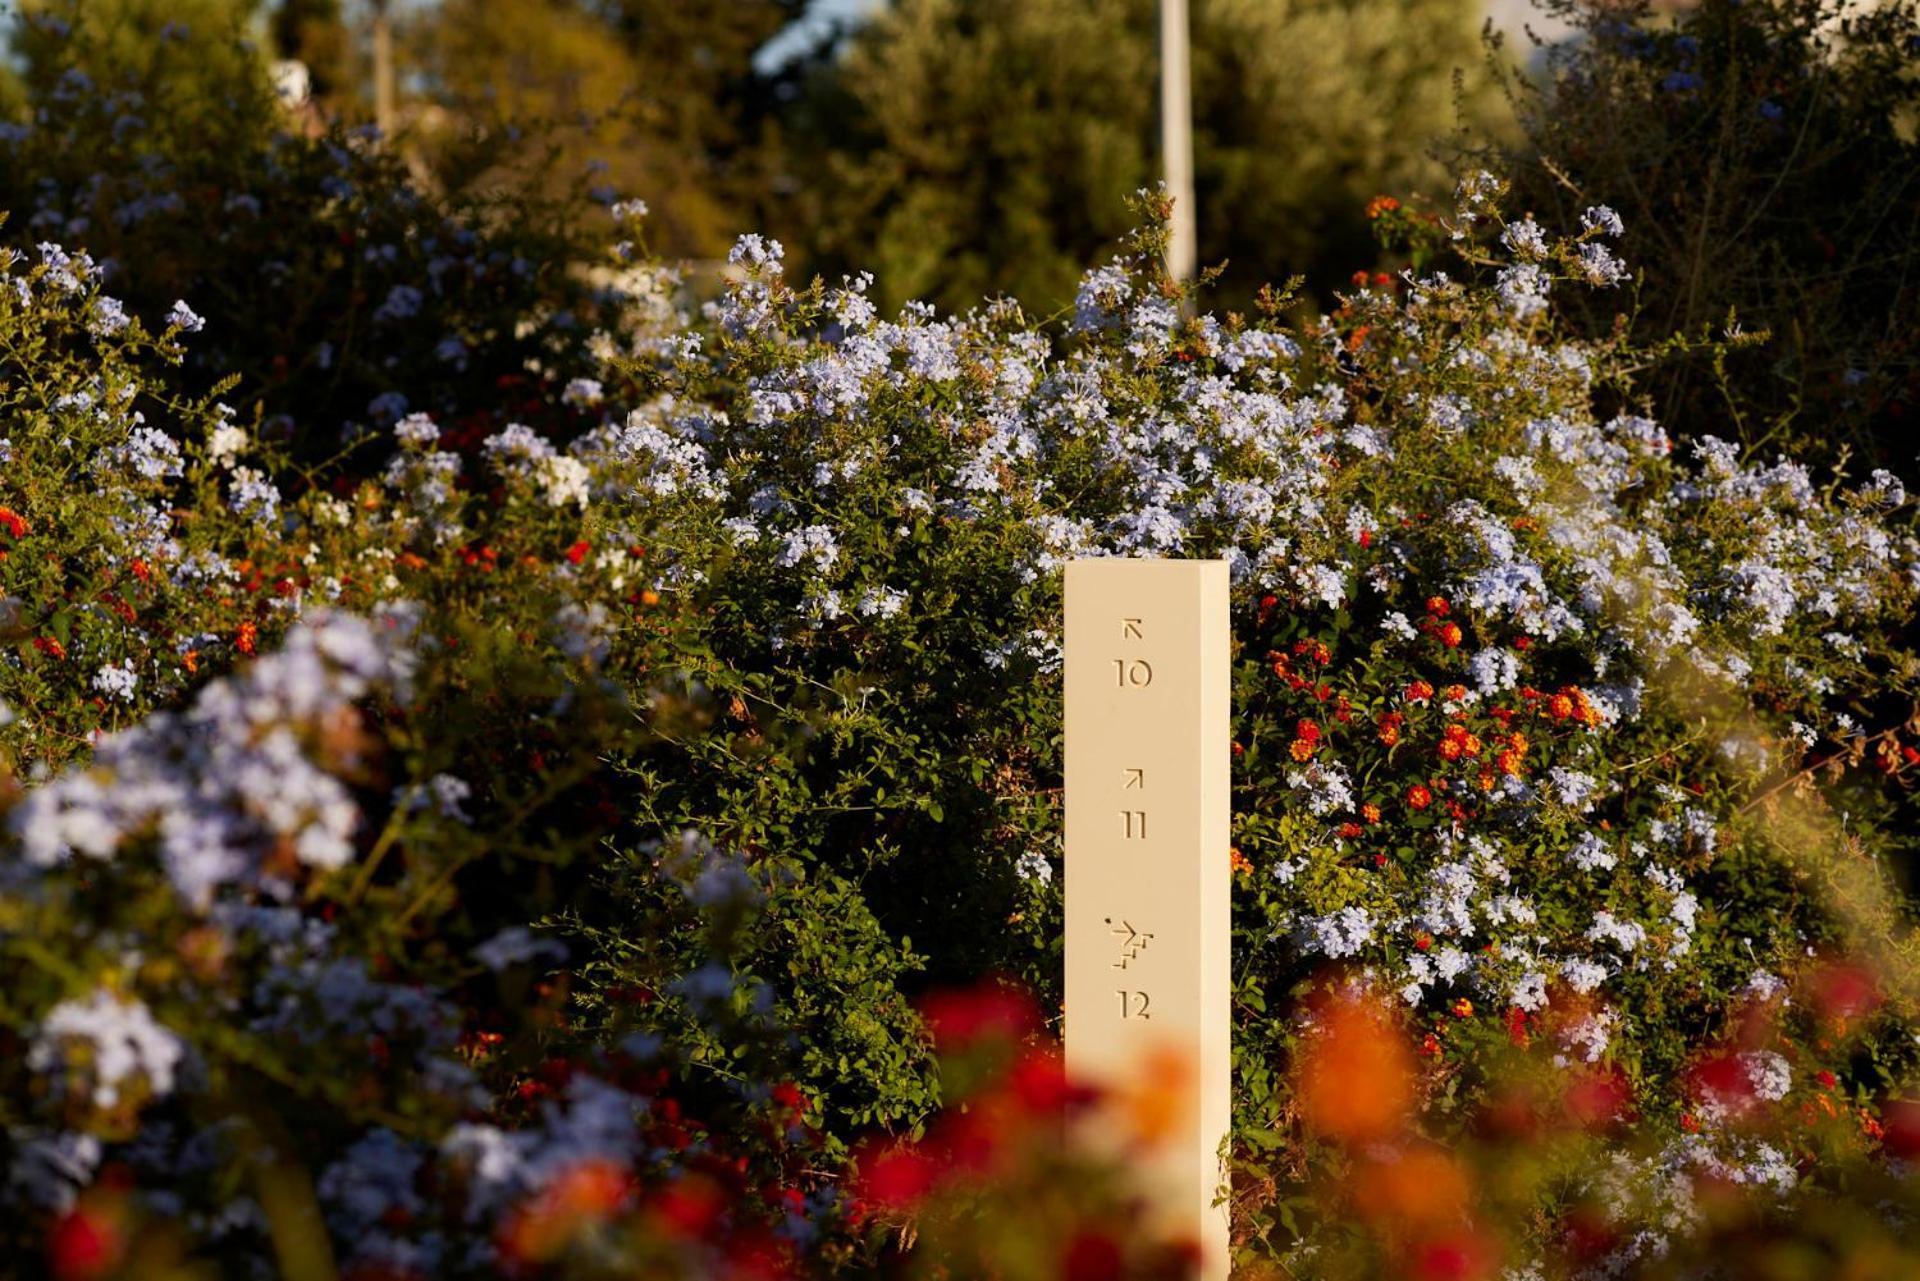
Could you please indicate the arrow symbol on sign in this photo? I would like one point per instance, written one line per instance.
(1130, 628)
(1135, 778)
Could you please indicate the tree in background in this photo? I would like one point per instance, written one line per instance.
(1763, 156)
(663, 94)
(970, 146)
(130, 40)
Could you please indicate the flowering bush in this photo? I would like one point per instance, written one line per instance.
(349, 869)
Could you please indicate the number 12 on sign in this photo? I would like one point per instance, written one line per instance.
(1133, 1005)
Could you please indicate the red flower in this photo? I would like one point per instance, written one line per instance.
(85, 1243)
(1901, 1133)
(959, 1017)
(16, 523)
(1091, 1256)
(1039, 1083)
(1419, 797)
(578, 552)
(897, 1179)
(1460, 1258)
(1596, 1100)
(1845, 992)
(1438, 607)
(688, 1208)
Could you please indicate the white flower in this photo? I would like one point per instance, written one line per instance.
(1582, 975)
(117, 682)
(564, 479)
(123, 1042)
(417, 429)
(226, 443)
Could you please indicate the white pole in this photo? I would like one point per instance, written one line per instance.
(383, 86)
(1176, 136)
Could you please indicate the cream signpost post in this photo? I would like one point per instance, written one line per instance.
(1148, 876)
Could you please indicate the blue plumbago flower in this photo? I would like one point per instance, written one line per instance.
(1599, 218)
(387, 407)
(1601, 266)
(1523, 289)
(401, 302)
(109, 317)
(252, 494)
(583, 393)
(183, 318)
(1525, 239)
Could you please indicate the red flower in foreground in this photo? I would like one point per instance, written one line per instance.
(1900, 1131)
(1457, 1258)
(1844, 992)
(15, 523)
(959, 1017)
(86, 1242)
(1091, 1256)
(898, 1179)
(1419, 797)
(1596, 1100)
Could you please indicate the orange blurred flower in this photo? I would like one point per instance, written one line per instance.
(1355, 1073)
(1413, 1192)
(578, 1198)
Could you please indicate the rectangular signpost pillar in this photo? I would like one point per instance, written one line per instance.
(1148, 874)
